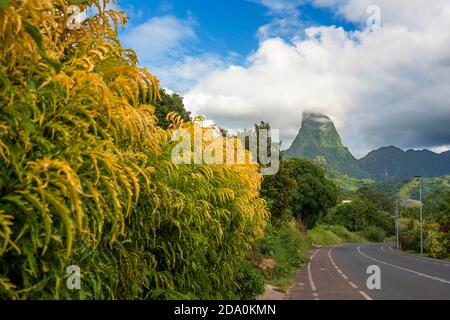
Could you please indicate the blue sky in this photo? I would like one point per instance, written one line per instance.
(226, 26)
(238, 62)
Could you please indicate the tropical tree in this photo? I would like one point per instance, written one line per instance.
(361, 214)
(382, 201)
(169, 103)
(300, 186)
(275, 189)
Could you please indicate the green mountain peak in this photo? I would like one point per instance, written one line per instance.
(318, 137)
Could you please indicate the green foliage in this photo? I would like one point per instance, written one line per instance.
(390, 188)
(410, 240)
(438, 242)
(360, 214)
(344, 182)
(444, 206)
(275, 191)
(373, 234)
(436, 225)
(86, 176)
(411, 212)
(300, 187)
(4, 3)
(286, 244)
(379, 199)
(167, 104)
(251, 281)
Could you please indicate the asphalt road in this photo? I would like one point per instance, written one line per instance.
(340, 273)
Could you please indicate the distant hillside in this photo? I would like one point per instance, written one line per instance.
(430, 186)
(319, 137)
(434, 190)
(392, 163)
(344, 182)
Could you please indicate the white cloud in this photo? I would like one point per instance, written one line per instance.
(182, 73)
(441, 149)
(285, 18)
(413, 14)
(280, 5)
(159, 36)
(161, 44)
(381, 88)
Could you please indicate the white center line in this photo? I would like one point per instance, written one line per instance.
(354, 286)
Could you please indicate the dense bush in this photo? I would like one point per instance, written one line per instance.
(438, 242)
(373, 234)
(379, 199)
(300, 188)
(86, 177)
(410, 240)
(286, 244)
(359, 215)
(251, 279)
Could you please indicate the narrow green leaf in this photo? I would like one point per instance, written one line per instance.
(34, 33)
(4, 3)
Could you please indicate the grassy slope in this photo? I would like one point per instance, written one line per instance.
(328, 235)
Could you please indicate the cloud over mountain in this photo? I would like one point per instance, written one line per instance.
(382, 87)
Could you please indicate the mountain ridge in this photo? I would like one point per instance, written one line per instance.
(392, 163)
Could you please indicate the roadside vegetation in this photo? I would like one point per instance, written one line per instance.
(436, 223)
(281, 252)
(297, 197)
(87, 179)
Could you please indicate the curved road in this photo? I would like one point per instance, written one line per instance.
(340, 273)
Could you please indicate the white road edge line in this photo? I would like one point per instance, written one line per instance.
(424, 259)
(365, 295)
(411, 258)
(311, 281)
(404, 269)
(354, 286)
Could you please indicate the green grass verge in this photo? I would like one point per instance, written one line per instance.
(325, 235)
